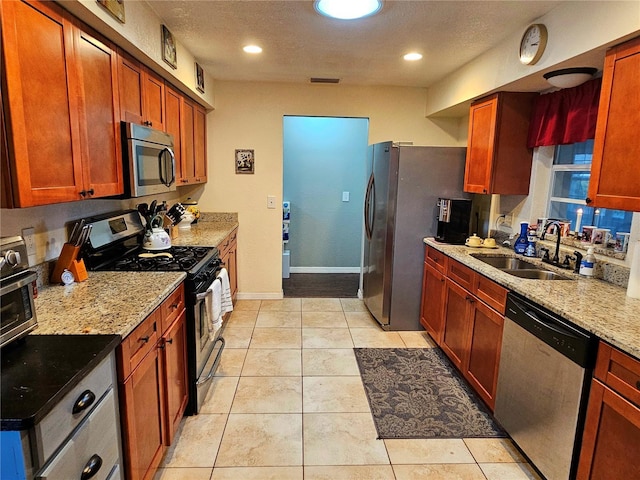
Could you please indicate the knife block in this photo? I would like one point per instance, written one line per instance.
(68, 261)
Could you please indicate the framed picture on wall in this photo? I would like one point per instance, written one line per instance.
(245, 161)
(199, 78)
(169, 54)
(115, 8)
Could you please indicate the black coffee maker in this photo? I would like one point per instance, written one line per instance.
(453, 220)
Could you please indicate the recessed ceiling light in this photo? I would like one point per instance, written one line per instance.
(252, 49)
(413, 56)
(348, 9)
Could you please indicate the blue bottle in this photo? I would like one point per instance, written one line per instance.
(520, 245)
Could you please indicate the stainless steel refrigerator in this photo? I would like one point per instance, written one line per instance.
(400, 209)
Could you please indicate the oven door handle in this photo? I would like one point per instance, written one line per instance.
(202, 296)
(212, 371)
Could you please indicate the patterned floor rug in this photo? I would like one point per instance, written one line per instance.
(417, 393)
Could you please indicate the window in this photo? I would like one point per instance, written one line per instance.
(569, 183)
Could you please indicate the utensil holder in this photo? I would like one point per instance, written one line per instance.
(68, 261)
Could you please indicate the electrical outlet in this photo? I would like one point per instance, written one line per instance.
(508, 220)
(29, 235)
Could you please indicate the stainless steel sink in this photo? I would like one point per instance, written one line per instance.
(536, 274)
(506, 263)
(520, 268)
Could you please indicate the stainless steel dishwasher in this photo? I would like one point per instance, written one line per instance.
(543, 379)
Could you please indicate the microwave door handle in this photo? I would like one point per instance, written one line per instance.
(162, 166)
(173, 167)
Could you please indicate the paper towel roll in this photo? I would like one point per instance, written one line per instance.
(633, 289)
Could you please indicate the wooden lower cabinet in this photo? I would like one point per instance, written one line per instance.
(432, 305)
(152, 371)
(228, 249)
(611, 438)
(470, 329)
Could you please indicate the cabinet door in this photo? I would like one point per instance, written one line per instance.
(188, 173)
(41, 115)
(200, 144)
(432, 307)
(614, 180)
(480, 150)
(173, 124)
(611, 442)
(97, 69)
(232, 265)
(484, 351)
(143, 418)
(130, 82)
(174, 342)
(153, 107)
(456, 325)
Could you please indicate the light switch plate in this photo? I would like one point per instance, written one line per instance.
(345, 196)
(271, 201)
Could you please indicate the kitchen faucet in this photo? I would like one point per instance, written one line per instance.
(556, 259)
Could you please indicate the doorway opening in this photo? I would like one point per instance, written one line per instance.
(324, 179)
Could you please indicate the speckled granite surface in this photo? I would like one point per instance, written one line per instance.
(205, 233)
(106, 303)
(597, 306)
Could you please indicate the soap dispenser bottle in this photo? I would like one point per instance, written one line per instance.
(520, 245)
(588, 263)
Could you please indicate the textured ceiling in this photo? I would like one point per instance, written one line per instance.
(298, 43)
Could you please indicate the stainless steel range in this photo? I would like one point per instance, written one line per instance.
(115, 244)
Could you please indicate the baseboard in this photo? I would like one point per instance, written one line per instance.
(324, 270)
(260, 296)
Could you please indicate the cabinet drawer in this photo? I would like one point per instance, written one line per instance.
(619, 371)
(98, 435)
(436, 259)
(138, 343)
(61, 421)
(491, 293)
(172, 307)
(460, 274)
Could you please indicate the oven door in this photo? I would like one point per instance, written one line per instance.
(17, 307)
(208, 347)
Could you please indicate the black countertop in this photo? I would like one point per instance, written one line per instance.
(39, 370)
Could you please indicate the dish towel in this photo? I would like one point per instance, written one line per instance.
(227, 302)
(213, 304)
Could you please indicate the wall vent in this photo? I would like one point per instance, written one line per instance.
(324, 80)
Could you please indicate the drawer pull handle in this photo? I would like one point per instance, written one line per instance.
(83, 402)
(638, 384)
(91, 467)
(144, 339)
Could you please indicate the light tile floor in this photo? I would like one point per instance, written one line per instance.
(287, 403)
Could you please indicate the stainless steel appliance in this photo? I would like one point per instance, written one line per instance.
(115, 243)
(405, 183)
(17, 308)
(454, 216)
(543, 378)
(149, 162)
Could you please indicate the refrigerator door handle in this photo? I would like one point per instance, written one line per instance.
(369, 209)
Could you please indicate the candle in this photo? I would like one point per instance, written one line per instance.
(578, 220)
(596, 218)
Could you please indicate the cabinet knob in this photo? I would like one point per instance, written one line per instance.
(170, 341)
(638, 384)
(83, 193)
(144, 339)
(90, 191)
(83, 402)
(91, 467)
(588, 200)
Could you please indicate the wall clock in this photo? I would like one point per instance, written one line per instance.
(533, 43)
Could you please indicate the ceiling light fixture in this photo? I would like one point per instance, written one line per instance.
(569, 77)
(347, 9)
(252, 49)
(413, 56)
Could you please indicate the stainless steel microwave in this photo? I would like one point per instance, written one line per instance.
(149, 161)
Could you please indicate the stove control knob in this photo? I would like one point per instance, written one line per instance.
(12, 257)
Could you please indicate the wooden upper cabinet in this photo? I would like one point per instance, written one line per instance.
(615, 174)
(200, 144)
(173, 123)
(59, 84)
(142, 93)
(498, 160)
(188, 165)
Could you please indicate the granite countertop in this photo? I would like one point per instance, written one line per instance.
(209, 234)
(39, 370)
(597, 306)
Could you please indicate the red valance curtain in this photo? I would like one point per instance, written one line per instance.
(566, 116)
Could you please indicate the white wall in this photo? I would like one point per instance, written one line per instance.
(249, 115)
